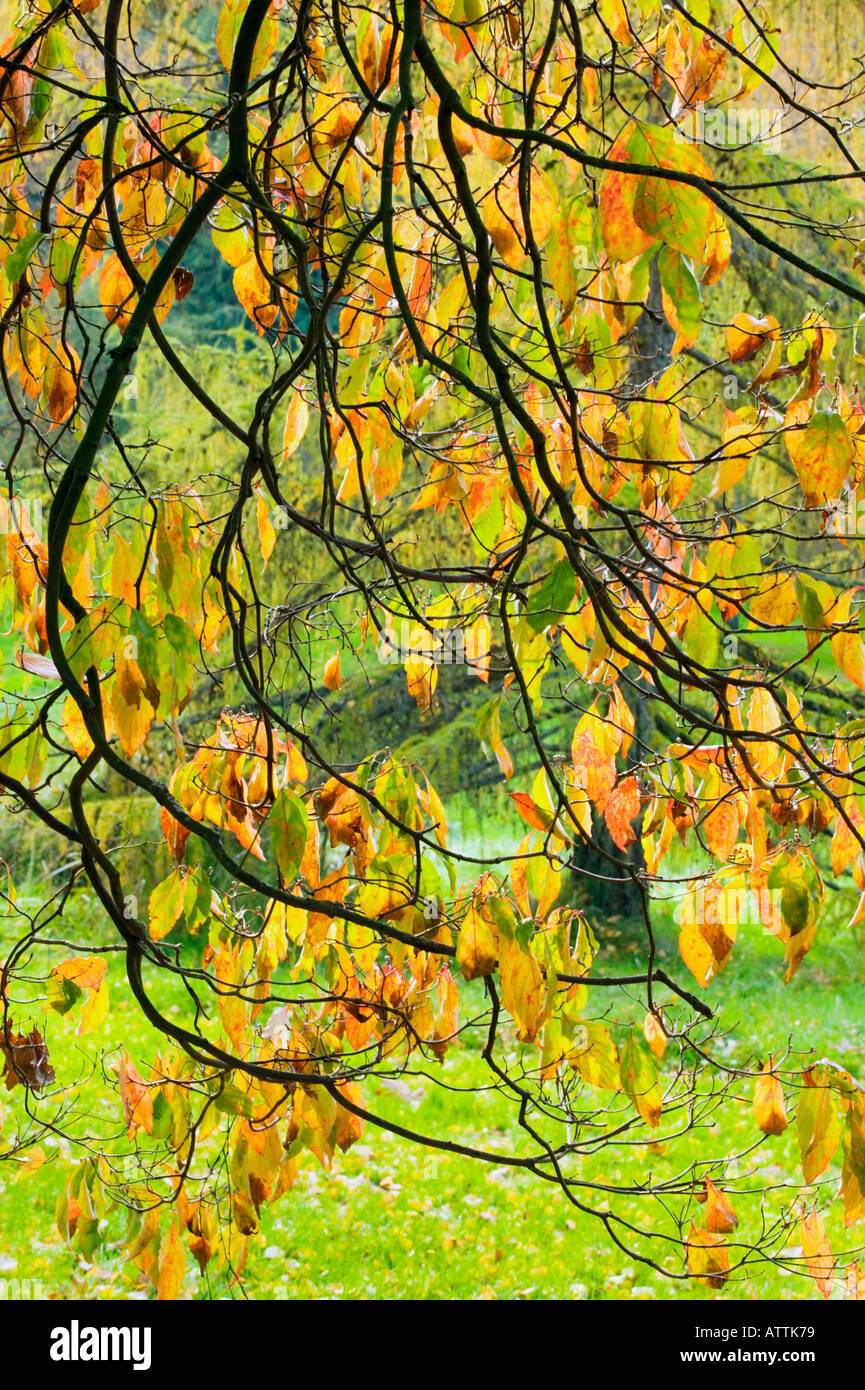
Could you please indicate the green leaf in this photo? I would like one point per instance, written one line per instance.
(551, 601)
(232, 1101)
(678, 213)
(815, 598)
(18, 261)
(184, 652)
(679, 283)
(61, 994)
(289, 827)
(197, 898)
(166, 904)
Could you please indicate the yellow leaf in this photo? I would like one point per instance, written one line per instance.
(172, 1266)
(94, 1010)
(696, 953)
(822, 453)
(422, 679)
(847, 647)
(640, 1081)
(266, 531)
(504, 218)
(477, 945)
(523, 990)
(708, 1257)
(817, 1252)
(769, 1110)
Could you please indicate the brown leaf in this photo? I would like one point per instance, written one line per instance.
(183, 282)
(26, 1060)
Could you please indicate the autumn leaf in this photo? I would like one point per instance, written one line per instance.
(332, 673)
(770, 1112)
(255, 292)
(477, 944)
(818, 1130)
(289, 826)
(746, 335)
(504, 217)
(296, 422)
(228, 27)
(817, 1252)
(421, 678)
(25, 1059)
(166, 904)
(536, 816)
(640, 1081)
(82, 978)
(822, 452)
(523, 988)
(596, 1056)
(848, 647)
(638, 209)
(135, 1095)
(183, 282)
(720, 1216)
(172, 1265)
(622, 808)
(116, 292)
(708, 1257)
(655, 1035)
(60, 390)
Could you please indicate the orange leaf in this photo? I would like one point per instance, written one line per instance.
(720, 1216)
(533, 815)
(622, 807)
(746, 335)
(87, 972)
(332, 673)
(654, 1034)
(134, 1096)
(60, 387)
(255, 293)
